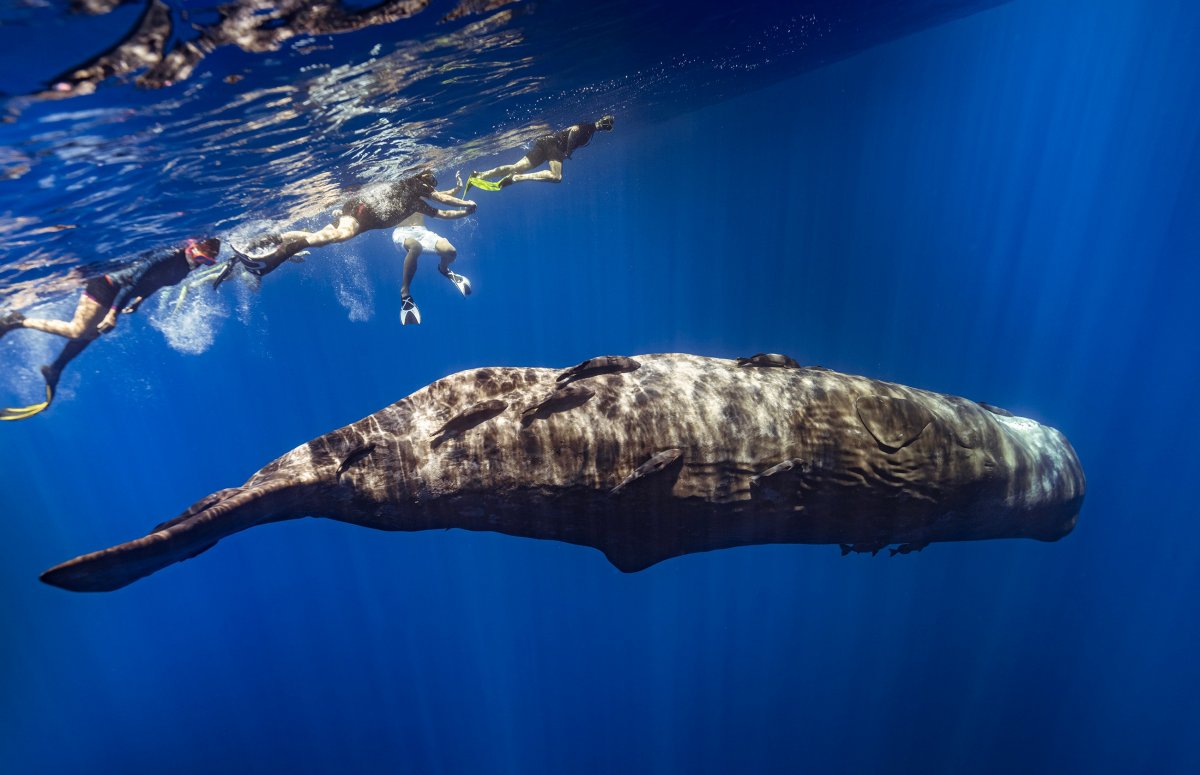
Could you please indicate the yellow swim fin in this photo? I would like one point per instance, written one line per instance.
(486, 185)
(183, 291)
(22, 412)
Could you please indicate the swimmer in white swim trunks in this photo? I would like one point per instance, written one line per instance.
(412, 237)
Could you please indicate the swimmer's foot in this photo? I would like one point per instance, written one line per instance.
(410, 315)
(10, 321)
(260, 249)
(505, 181)
(460, 282)
(51, 375)
(223, 275)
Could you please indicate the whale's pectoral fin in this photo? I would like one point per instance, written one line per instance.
(196, 530)
(894, 422)
(631, 559)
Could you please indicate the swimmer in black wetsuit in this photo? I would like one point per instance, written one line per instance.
(376, 206)
(107, 296)
(554, 148)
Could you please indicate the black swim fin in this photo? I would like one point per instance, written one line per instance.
(223, 275)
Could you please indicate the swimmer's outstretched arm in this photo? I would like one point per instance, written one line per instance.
(448, 198)
(458, 185)
(446, 215)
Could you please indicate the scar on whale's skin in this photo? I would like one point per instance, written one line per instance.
(648, 458)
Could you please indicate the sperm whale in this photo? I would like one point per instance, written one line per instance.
(648, 458)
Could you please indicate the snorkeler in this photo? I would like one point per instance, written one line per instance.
(376, 206)
(414, 238)
(553, 148)
(104, 299)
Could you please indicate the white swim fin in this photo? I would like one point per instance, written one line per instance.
(461, 283)
(410, 314)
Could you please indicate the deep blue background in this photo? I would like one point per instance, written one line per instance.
(1004, 207)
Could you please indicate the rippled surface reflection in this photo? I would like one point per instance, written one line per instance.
(272, 110)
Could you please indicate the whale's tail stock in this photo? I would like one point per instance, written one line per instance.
(194, 531)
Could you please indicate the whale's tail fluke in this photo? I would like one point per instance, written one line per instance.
(200, 527)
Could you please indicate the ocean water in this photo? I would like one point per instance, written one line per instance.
(994, 200)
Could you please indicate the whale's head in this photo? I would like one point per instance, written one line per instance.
(1046, 483)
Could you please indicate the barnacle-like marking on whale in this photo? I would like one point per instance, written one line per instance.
(769, 361)
(563, 398)
(657, 465)
(473, 415)
(592, 367)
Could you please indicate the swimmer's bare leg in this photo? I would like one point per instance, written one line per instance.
(504, 170)
(346, 227)
(88, 315)
(52, 372)
(552, 175)
(413, 248)
(447, 253)
(292, 242)
(409, 314)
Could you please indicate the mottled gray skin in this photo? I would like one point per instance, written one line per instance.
(669, 455)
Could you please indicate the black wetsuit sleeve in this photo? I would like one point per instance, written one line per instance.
(154, 271)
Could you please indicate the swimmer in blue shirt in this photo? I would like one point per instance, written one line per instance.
(104, 299)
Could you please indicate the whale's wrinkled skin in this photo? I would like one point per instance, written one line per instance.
(652, 457)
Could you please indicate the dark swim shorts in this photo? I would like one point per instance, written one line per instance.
(101, 290)
(545, 148)
(361, 212)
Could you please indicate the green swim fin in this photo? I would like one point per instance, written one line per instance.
(23, 412)
(486, 185)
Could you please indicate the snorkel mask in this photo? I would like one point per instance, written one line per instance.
(427, 179)
(197, 252)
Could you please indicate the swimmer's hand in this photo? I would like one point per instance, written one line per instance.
(132, 308)
(109, 322)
